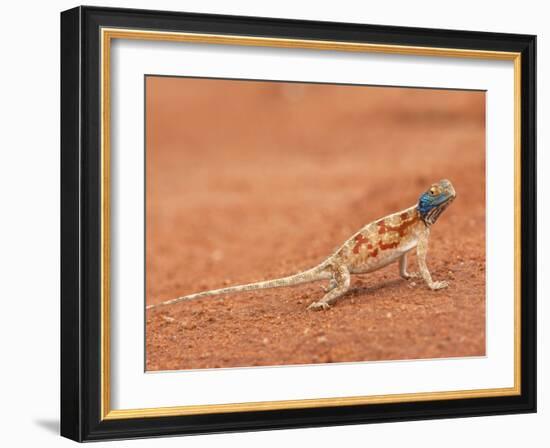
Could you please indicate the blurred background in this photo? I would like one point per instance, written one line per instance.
(248, 181)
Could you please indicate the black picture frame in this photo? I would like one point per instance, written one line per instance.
(81, 224)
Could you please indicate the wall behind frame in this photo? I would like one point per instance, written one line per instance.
(29, 228)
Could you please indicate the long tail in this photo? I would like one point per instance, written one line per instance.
(317, 273)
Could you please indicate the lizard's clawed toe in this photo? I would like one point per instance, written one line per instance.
(439, 285)
(316, 306)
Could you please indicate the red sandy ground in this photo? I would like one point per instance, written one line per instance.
(252, 181)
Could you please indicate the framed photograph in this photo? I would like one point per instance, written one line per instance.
(273, 223)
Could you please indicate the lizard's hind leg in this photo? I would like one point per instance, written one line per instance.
(342, 280)
(331, 285)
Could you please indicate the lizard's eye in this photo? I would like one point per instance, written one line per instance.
(432, 191)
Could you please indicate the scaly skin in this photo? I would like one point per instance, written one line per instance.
(376, 245)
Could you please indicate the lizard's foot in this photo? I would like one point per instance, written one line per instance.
(438, 285)
(410, 275)
(316, 306)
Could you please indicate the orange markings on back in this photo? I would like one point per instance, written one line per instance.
(383, 246)
(359, 241)
(401, 229)
(406, 221)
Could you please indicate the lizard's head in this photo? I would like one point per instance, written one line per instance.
(434, 200)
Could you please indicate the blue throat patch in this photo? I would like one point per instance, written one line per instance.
(424, 204)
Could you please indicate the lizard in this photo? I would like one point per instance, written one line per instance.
(375, 245)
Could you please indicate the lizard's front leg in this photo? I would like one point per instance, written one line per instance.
(342, 278)
(421, 252)
(403, 268)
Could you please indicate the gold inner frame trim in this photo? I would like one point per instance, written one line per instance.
(107, 35)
